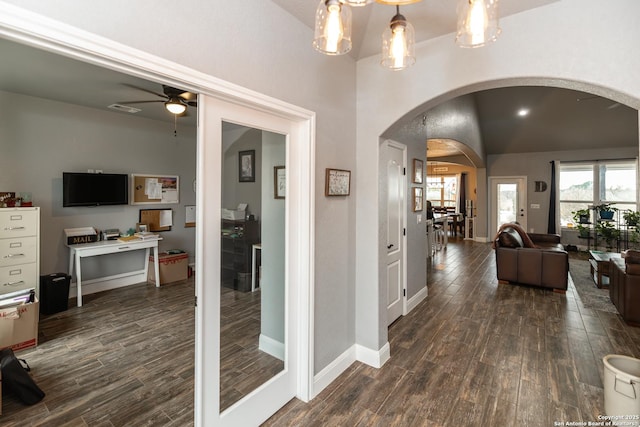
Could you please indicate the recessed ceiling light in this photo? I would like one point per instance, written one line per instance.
(523, 112)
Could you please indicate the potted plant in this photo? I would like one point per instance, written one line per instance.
(605, 210)
(608, 232)
(631, 217)
(581, 217)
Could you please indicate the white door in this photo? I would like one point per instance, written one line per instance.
(508, 201)
(215, 160)
(396, 208)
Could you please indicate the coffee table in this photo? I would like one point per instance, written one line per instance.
(600, 266)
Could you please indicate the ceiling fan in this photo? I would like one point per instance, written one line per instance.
(175, 100)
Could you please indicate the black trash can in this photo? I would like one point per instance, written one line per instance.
(54, 293)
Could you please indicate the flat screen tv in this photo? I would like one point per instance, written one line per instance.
(94, 189)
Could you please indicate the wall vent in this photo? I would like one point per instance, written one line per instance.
(124, 108)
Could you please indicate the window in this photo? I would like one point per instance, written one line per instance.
(442, 190)
(586, 184)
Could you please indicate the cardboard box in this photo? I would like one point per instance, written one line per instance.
(173, 268)
(19, 326)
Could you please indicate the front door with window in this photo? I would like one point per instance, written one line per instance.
(508, 201)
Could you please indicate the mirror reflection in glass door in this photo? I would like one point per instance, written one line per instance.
(252, 282)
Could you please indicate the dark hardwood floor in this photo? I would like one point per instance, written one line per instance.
(475, 352)
(478, 353)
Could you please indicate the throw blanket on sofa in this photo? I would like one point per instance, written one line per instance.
(526, 240)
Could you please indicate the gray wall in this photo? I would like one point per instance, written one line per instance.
(537, 167)
(40, 139)
(277, 63)
(273, 240)
(416, 232)
(234, 191)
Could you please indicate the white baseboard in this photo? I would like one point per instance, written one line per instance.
(270, 346)
(357, 352)
(373, 358)
(325, 377)
(416, 299)
(106, 283)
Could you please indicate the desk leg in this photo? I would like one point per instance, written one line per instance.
(78, 279)
(253, 268)
(156, 265)
(71, 258)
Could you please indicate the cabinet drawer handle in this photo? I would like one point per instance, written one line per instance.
(14, 255)
(19, 282)
(14, 228)
(123, 247)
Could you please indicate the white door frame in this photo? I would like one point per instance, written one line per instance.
(493, 220)
(36, 30)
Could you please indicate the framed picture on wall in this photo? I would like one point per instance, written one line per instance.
(247, 166)
(279, 182)
(337, 182)
(418, 171)
(417, 199)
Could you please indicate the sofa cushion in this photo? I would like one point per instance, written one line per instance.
(509, 238)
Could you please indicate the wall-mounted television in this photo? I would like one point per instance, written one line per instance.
(94, 189)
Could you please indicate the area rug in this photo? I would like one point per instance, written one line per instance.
(591, 297)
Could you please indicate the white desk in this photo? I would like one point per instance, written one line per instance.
(254, 248)
(77, 252)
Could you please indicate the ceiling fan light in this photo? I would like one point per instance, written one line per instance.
(398, 44)
(477, 22)
(175, 106)
(333, 28)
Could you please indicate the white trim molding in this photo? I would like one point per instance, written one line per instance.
(373, 358)
(332, 371)
(417, 299)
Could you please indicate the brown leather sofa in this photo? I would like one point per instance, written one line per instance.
(531, 258)
(624, 286)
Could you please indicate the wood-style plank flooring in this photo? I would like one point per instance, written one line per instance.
(478, 353)
(475, 352)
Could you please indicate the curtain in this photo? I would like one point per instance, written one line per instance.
(554, 217)
(462, 194)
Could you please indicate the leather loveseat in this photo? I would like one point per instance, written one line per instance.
(531, 258)
(624, 285)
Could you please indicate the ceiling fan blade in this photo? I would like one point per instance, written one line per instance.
(192, 104)
(145, 90)
(188, 96)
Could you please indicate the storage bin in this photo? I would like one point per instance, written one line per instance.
(621, 386)
(174, 267)
(54, 293)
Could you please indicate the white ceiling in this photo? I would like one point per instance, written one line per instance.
(430, 19)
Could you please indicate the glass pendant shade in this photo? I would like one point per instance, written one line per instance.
(398, 44)
(477, 22)
(356, 3)
(397, 2)
(175, 106)
(333, 28)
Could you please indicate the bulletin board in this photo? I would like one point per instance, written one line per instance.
(154, 189)
(157, 219)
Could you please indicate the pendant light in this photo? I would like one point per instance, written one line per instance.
(333, 28)
(356, 3)
(477, 22)
(398, 43)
